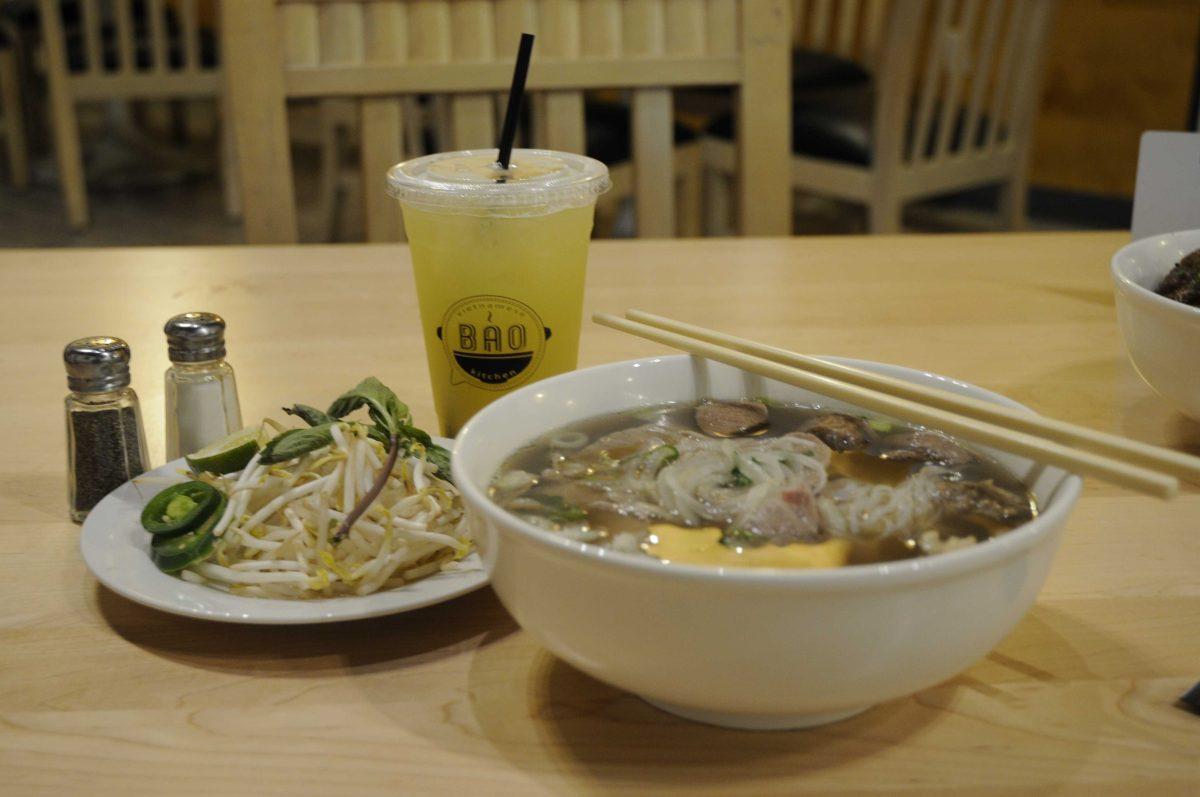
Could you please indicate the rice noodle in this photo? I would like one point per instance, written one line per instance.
(852, 508)
(693, 485)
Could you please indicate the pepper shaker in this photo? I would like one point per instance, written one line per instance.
(106, 445)
(201, 390)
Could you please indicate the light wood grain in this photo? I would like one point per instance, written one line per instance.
(102, 697)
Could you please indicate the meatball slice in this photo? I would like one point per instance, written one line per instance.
(732, 418)
(924, 445)
(838, 431)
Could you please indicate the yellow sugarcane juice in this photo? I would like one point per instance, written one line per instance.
(499, 258)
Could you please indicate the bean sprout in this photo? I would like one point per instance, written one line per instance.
(275, 537)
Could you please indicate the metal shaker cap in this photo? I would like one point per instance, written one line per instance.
(97, 365)
(195, 337)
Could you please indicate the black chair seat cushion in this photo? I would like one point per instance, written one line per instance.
(837, 124)
(816, 70)
(608, 135)
(830, 124)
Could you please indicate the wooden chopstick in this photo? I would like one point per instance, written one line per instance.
(1157, 458)
(1048, 451)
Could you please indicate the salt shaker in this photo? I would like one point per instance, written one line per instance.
(106, 445)
(201, 391)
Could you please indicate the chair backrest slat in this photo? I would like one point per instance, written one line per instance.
(932, 79)
(1022, 107)
(819, 23)
(958, 53)
(979, 69)
(385, 25)
(429, 31)
(189, 31)
(512, 18)
(644, 37)
(560, 118)
(126, 55)
(643, 28)
(874, 17)
(686, 23)
(601, 28)
(91, 36)
(722, 27)
(1009, 61)
(474, 114)
(846, 30)
(340, 27)
(301, 34)
(157, 29)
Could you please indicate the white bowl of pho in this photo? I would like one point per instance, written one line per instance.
(746, 553)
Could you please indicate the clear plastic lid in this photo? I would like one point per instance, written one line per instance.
(537, 182)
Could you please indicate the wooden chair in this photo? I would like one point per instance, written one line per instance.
(384, 51)
(12, 112)
(956, 87)
(123, 61)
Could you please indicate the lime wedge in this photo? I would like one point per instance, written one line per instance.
(226, 455)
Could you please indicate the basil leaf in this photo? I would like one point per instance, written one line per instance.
(559, 509)
(385, 409)
(296, 443)
(440, 458)
(738, 479)
(406, 432)
(733, 537)
(375, 433)
(310, 415)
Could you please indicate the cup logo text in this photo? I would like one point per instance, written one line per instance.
(492, 342)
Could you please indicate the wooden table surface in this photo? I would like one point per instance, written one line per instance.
(100, 696)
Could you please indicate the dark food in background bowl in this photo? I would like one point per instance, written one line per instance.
(1183, 283)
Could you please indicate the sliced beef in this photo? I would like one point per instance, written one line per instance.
(924, 445)
(789, 517)
(731, 418)
(627, 442)
(839, 432)
(984, 499)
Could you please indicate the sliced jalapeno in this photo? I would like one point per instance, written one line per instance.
(180, 508)
(172, 554)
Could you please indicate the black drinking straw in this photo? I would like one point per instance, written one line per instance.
(515, 95)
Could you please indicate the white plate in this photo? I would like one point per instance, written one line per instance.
(117, 550)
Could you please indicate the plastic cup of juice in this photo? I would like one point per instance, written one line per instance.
(499, 258)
